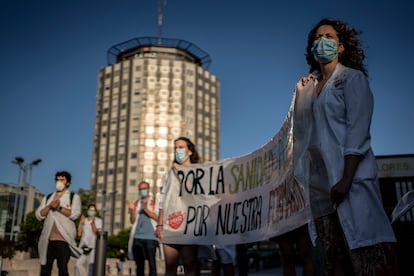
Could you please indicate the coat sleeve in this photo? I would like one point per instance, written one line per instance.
(75, 207)
(40, 208)
(359, 109)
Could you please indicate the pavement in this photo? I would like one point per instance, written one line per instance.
(31, 267)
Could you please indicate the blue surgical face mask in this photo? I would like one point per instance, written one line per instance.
(143, 193)
(325, 50)
(180, 155)
(91, 213)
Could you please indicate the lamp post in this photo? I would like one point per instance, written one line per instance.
(101, 241)
(22, 187)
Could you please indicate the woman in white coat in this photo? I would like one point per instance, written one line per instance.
(344, 189)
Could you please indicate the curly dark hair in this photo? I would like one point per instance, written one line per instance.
(64, 174)
(352, 57)
(194, 157)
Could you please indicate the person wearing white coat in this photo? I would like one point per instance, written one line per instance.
(88, 228)
(57, 240)
(337, 105)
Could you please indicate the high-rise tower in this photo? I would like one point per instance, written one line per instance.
(152, 91)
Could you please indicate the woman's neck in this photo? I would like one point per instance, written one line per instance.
(327, 69)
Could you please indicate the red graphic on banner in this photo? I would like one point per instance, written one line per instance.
(175, 220)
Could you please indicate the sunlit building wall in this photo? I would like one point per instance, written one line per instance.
(152, 92)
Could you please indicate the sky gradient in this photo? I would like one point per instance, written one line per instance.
(51, 53)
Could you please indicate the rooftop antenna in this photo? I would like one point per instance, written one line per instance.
(161, 4)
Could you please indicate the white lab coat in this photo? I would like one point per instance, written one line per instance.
(339, 122)
(65, 225)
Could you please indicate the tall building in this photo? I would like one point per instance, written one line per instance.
(153, 91)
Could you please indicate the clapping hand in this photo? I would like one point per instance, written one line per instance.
(54, 204)
(131, 204)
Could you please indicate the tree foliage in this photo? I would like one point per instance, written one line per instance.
(86, 198)
(117, 242)
(28, 236)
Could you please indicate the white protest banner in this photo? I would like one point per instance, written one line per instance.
(237, 200)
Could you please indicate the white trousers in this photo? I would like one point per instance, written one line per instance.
(84, 264)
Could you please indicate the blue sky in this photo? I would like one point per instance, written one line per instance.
(51, 52)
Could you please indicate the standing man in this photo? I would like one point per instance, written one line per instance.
(57, 241)
(87, 230)
(142, 242)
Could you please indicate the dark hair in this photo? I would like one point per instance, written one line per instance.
(92, 204)
(194, 157)
(352, 57)
(64, 174)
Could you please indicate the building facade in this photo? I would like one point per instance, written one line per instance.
(15, 203)
(152, 92)
(396, 178)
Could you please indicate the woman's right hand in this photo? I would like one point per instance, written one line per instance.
(303, 82)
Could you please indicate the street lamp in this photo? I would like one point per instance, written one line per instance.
(22, 186)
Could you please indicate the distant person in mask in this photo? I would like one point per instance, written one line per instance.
(87, 230)
(185, 154)
(59, 209)
(333, 111)
(142, 245)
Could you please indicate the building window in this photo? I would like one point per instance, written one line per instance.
(134, 155)
(162, 143)
(162, 156)
(150, 143)
(149, 155)
(148, 168)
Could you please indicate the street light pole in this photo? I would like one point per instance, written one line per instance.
(22, 187)
(18, 161)
(101, 241)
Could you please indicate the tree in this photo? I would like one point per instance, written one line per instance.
(86, 198)
(28, 236)
(116, 242)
